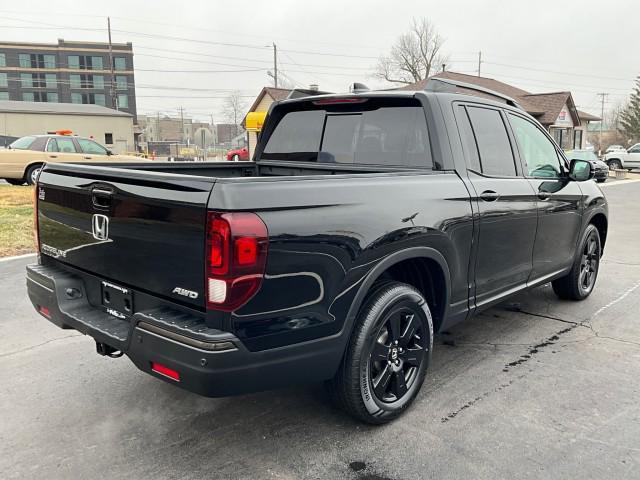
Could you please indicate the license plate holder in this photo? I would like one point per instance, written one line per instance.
(117, 300)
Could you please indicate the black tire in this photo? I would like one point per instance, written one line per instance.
(387, 358)
(580, 281)
(601, 180)
(32, 173)
(614, 164)
(14, 181)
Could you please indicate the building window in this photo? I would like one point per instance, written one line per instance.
(121, 82)
(108, 138)
(123, 101)
(120, 63)
(3, 80)
(4, 95)
(577, 139)
(85, 62)
(51, 97)
(36, 60)
(38, 80)
(88, 98)
(3, 60)
(86, 81)
(50, 80)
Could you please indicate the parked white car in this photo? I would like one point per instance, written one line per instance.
(615, 148)
(628, 159)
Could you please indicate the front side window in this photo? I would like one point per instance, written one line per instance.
(376, 133)
(538, 152)
(23, 143)
(89, 146)
(496, 156)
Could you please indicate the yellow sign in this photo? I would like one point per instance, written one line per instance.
(255, 120)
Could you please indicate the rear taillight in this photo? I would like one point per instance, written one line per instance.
(36, 234)
(236, 258)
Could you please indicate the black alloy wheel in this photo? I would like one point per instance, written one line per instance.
(581, 279)
(397, 355)
(590, 262)
(388, 354)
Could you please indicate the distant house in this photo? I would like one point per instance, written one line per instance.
(556, 111)
(263, 101)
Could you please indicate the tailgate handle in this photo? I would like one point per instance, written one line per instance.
(101, 197)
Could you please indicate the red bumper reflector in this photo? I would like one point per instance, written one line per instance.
(44, 311)
(166, 371)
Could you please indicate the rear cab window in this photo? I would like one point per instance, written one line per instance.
(365, 131)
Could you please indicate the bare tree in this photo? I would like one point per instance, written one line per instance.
(415, 56)
(234, 109)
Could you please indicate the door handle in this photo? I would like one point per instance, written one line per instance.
(489, 196)
(101, 198)
(88, 158)
(544, 195)
(53, 156)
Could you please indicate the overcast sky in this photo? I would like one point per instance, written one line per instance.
(583, 46)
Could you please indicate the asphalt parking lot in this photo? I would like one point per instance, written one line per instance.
(535, 388)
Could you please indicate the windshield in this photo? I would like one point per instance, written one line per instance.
(371, 132)
(23, 143)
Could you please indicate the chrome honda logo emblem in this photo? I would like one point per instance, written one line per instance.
(100, 227)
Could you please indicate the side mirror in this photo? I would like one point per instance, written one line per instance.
(580, 170)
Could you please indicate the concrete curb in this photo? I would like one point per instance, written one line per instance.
(619, 182)
(6, 259)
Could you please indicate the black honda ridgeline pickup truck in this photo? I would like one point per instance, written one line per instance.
(366, 223)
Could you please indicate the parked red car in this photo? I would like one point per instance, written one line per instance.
(238, 154)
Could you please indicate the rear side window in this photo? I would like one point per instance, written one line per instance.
(23, 143)
(66, 145)
(367, 134)
(494, 147)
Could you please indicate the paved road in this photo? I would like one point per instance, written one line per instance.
(537, 388)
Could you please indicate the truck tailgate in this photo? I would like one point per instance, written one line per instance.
(137, 229)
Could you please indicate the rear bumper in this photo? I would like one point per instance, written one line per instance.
(210, 362)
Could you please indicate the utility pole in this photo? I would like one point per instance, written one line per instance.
(479, 62)
(275, 65)
(158, 126)
(112, 90)
(444, 66)
(603, 95)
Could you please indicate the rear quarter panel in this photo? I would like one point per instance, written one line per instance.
(13, 163)
(326, 236)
